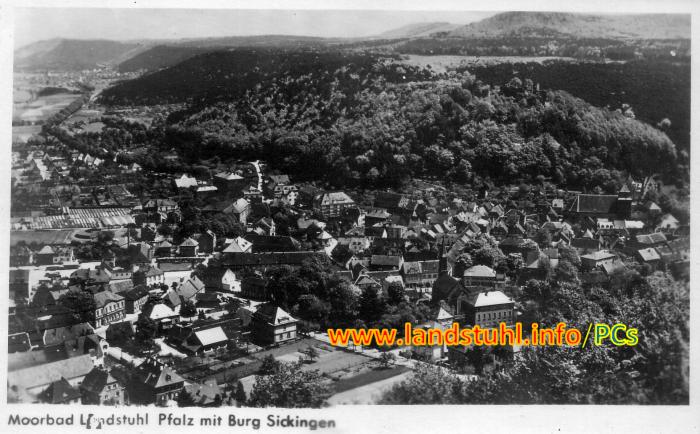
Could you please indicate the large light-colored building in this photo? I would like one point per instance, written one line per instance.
(109, 308)
(333, 204)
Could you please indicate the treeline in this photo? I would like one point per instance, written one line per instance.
(66, 111)
(654, 90)
(579, 48)
(231, 74)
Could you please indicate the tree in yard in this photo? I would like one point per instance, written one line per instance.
(386, 359)
(543, 238)
(188, 309)
(81, 304)
(395, 293)
(311, 353)
(372, 306)
(118, 336)
(289, 387)
(487, 255)
(311, 308)
(343, 301)
(103, 237)
(146, 330)
(232, 305)
(184, 399)
(269, 366)
(239, 395)
(464, 261)
(566, 272)
(477, 358)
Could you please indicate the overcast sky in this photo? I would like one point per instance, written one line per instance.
(35, 24)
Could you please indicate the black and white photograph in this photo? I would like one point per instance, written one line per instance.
(221, 211)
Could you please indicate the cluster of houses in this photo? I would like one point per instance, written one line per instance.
(184, 285)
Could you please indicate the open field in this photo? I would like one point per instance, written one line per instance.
(42, 237)
(43, 108)
(24, 132)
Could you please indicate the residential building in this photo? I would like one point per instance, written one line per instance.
(100, 388)
(189, 247)
(596, 259)
(485, 308)
(156, 383)
(270, 324)
(60, 392)
(109, 308)
(479, 276)
(333, 204)
(149, 277)
(135, 298)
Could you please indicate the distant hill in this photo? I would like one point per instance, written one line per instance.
(551, 24)
(161, 56)
(166, 55)
(73, 54)
(284, 41)
(418, 30)
(77, 54)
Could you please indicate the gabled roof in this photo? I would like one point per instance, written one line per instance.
(204, 394)
(653, 238)
(228, 176)
(46, 250)
(443, 315)
(611, 267)
(158, 311)
(337, 197)
(211, 336)
(386, 260)
(190, 288)
(239, 245)
(649, 254)
(489, 298)
(96, 380)
(105, 297)
(411, 268)
(364, 279)
(135, 293)
(599, 255)
(274, 314)
(59, 392)
(480, 271)
(152, 271)
(189, 242)
(157, 375)
(594, 203)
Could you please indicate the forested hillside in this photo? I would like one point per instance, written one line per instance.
(359, 119)
(654, 91)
